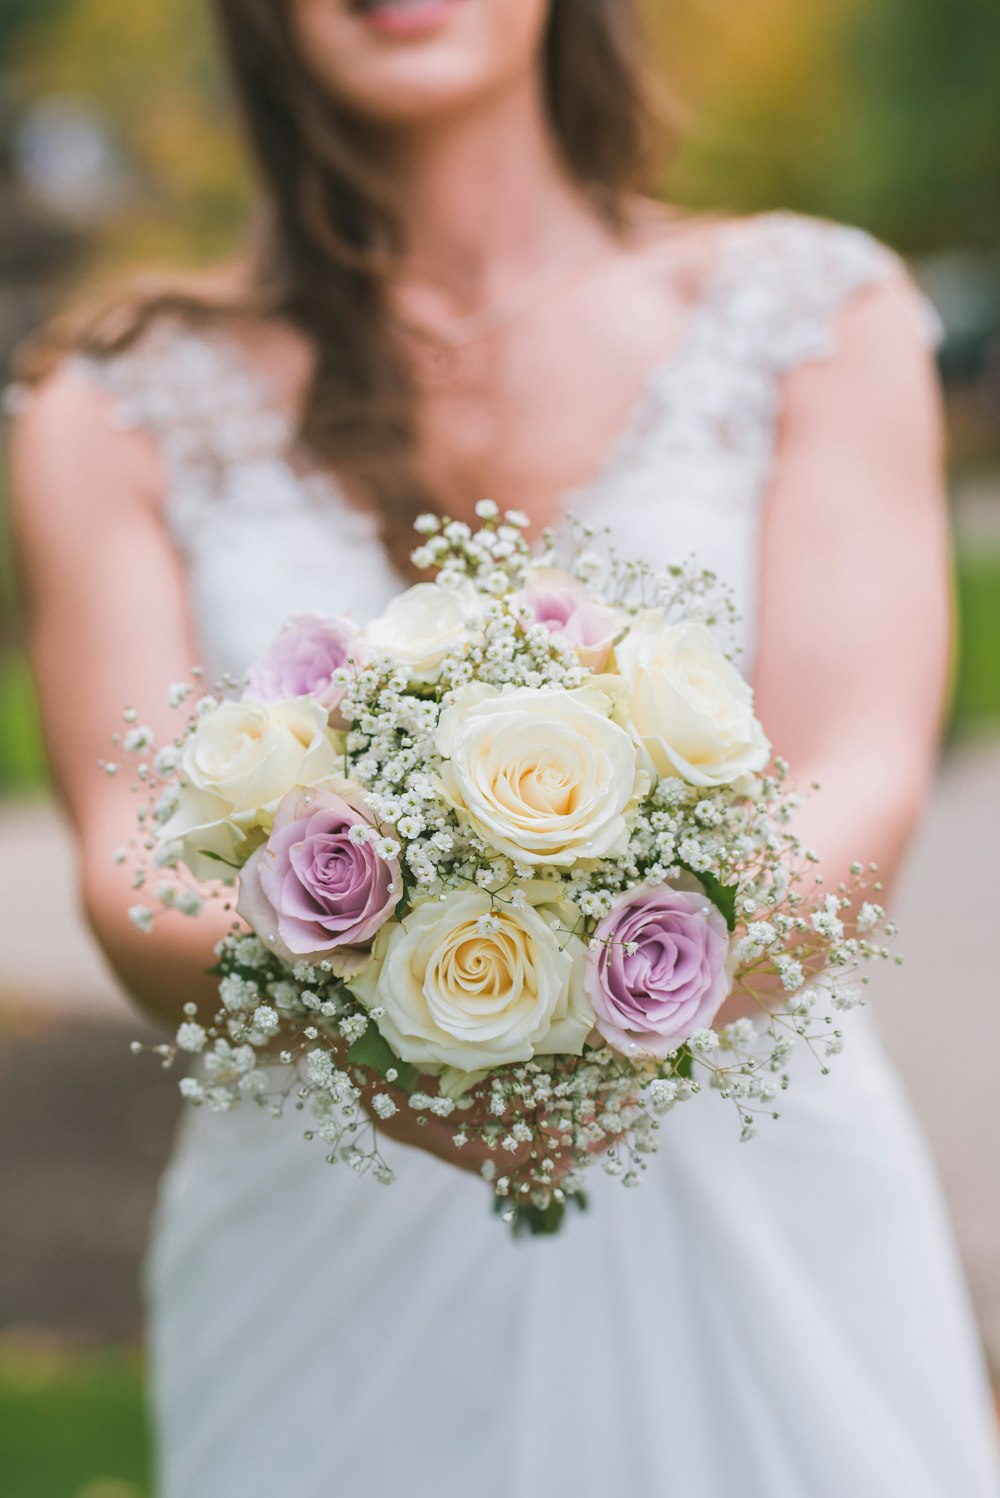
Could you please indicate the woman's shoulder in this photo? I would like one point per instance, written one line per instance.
(814, 319)
(74, 473)
(77, 449)
(850, 334)
(188, 387)
(157, 351)
(795, 281)
(778, 283)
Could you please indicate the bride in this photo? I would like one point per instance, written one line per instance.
(461, 293)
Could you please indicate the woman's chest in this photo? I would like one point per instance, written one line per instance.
(530, 416)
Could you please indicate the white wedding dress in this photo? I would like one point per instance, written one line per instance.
(782, 1319)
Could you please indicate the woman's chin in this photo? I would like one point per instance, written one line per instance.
(404, 62)
(409, 92)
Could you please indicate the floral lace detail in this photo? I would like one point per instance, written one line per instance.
(194, 392)
(221, 435)
(769, 304)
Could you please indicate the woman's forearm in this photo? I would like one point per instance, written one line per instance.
(167, 967)
(856, 816)
(862, 812)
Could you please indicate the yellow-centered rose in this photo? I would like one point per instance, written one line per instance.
(542, 774)
(688, 708)
(468, 985)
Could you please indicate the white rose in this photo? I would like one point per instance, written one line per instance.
(688, 708)
(420, 626)
(542, 774)
(242, 758)
(456, 995)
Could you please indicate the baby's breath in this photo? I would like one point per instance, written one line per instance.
(291, 1035)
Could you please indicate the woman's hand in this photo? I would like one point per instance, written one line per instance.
(425, 1130)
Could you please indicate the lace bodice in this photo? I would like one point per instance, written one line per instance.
(264, 535)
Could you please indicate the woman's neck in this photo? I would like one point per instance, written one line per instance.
(485, 199)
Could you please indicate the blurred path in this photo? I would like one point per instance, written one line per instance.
(48, 959)
(976, 513)
(79, 1113)
(940, 1012)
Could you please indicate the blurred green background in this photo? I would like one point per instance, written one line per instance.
(118, 147)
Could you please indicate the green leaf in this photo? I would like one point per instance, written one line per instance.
(683, 1065)
(528, 1221)
(722, 896)
(218, 858)
(373, 1050)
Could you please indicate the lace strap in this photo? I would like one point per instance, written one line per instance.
(194, 392)
(781, 282)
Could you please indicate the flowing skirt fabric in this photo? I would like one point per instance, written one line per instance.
(779, 1319)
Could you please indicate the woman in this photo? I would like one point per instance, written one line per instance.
(463, 295)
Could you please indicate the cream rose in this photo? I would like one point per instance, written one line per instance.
(422, 624)
(242, 758)
(688, 708)
(466, 985)
(542, 774)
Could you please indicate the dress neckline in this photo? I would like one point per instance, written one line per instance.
(642, 420)
(625, 448)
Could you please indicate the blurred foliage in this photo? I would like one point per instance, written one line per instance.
(72, 1425)
(977, 680)
(152, 71)
(22, 753)
(880, 112)
(759, 98)
(923, 144)
(15, 15)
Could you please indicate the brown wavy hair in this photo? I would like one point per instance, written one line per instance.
(329, 235)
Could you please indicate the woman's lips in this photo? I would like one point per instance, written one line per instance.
(404, 17)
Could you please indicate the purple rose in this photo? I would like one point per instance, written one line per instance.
(302, 659)
(564, 606)
(651, 999)
(312, 892)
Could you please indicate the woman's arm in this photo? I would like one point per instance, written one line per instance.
(108, 627)
(854, 604)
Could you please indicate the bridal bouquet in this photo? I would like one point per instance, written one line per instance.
(500, 857)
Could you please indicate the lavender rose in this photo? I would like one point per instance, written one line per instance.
(301, 661)
(557, 600)
(651, 999)
(317, 890)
